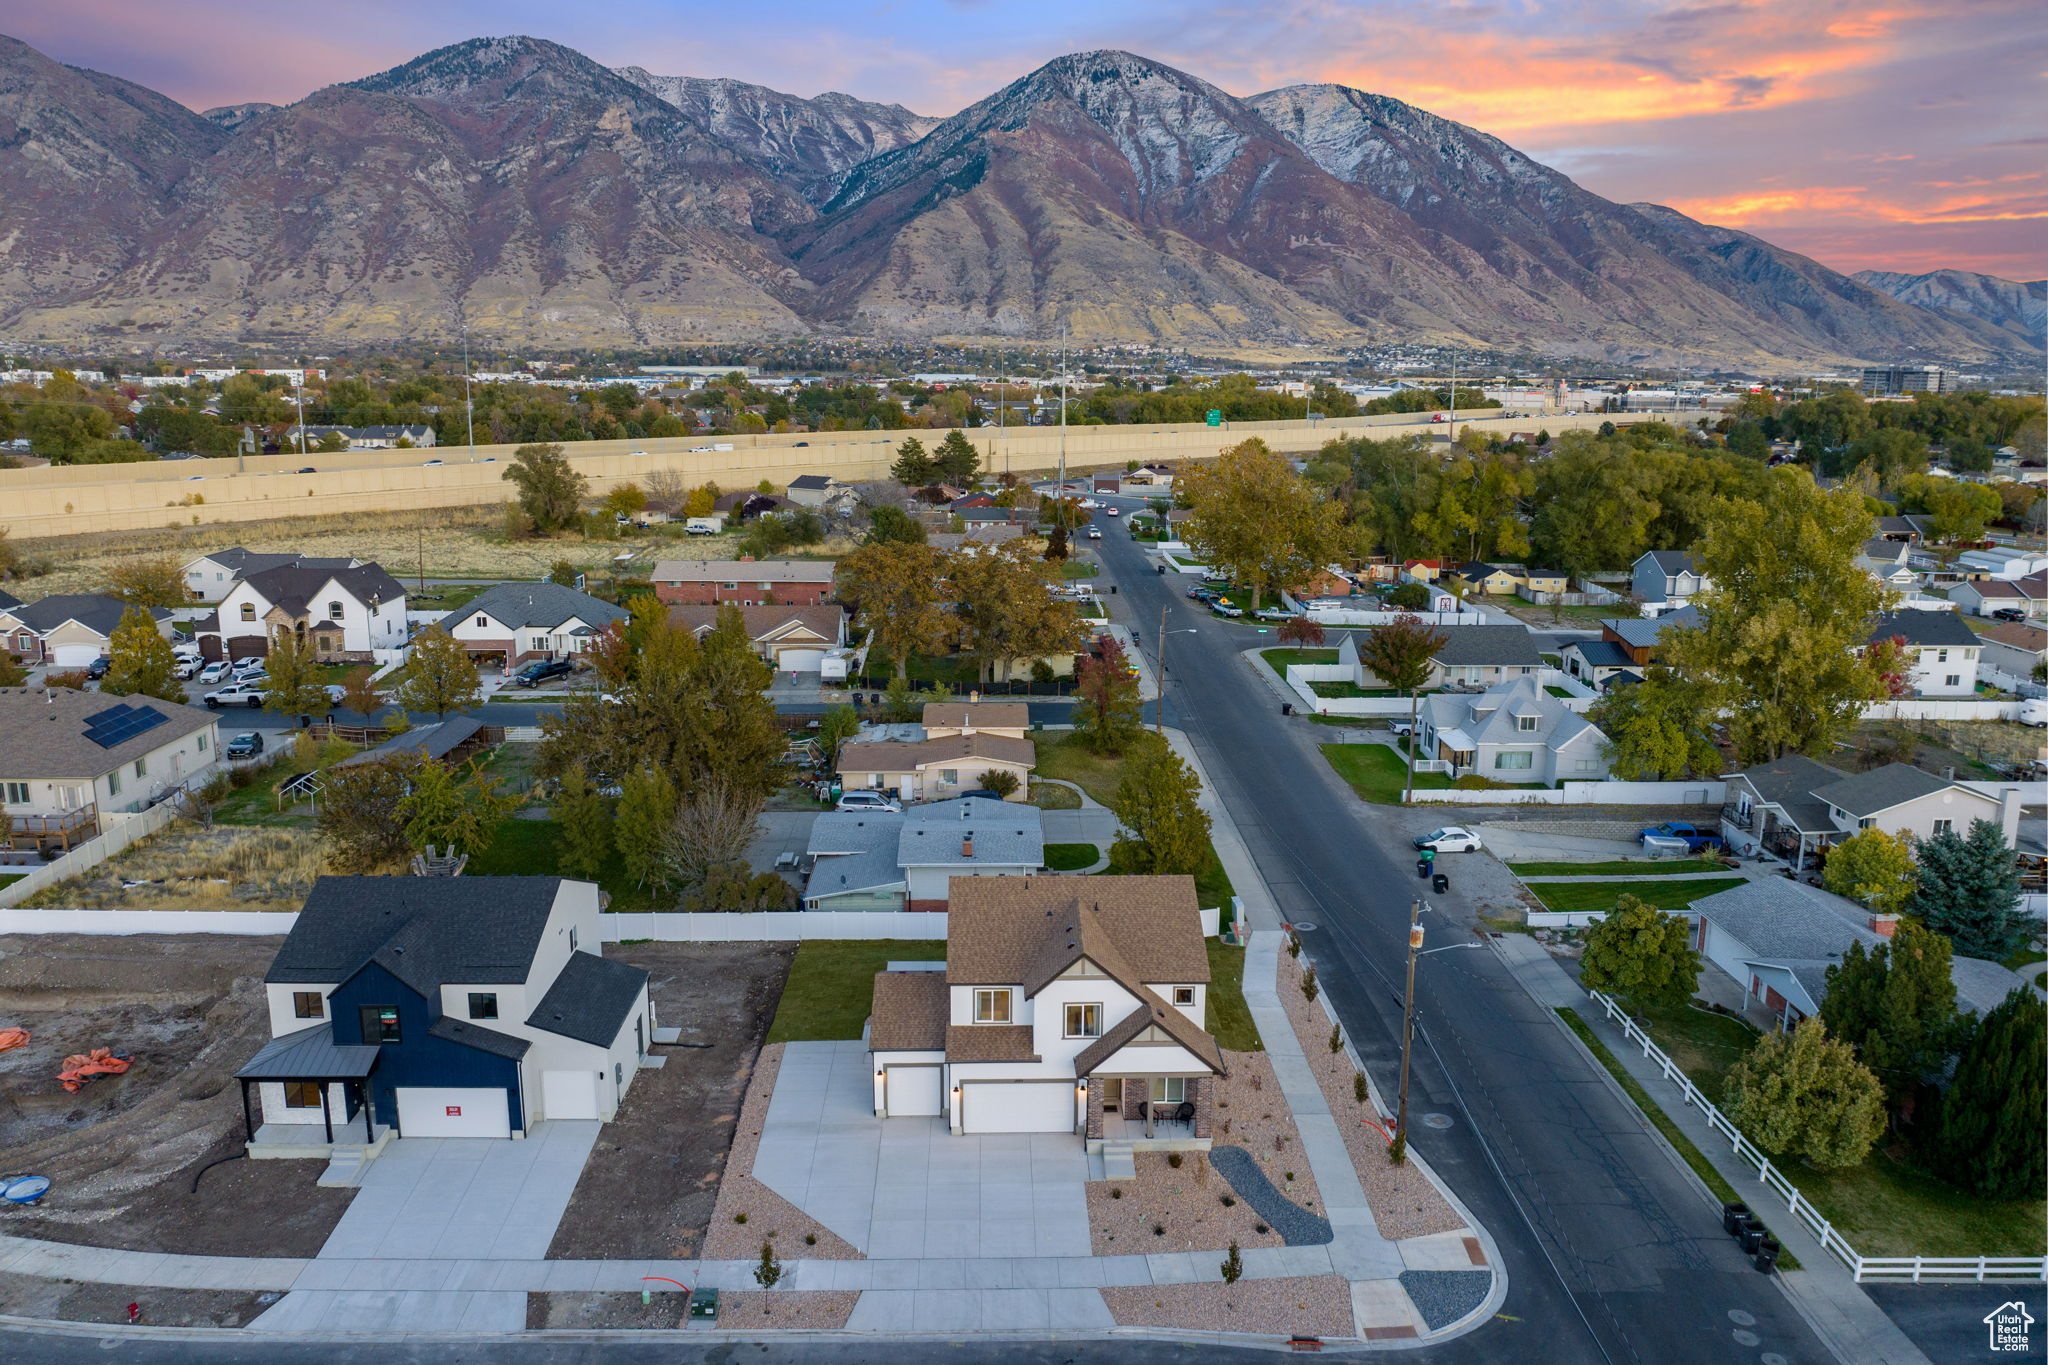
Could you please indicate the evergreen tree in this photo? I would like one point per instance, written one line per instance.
(1157, 802)
(647, 805)
(1056, 547)
(913, 468)
(585, 820)
(1896, 1005)
(140, 662)
(1641, 956)
(956, 461)
(1969, 889)
(1993, 1137)
(1804, 1095)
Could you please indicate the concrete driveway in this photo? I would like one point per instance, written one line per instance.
(906, 1188)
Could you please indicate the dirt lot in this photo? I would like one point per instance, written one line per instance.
(1974, 748)
(69, 1301)
(184, 867)
(648, 1190)
(122, 1152)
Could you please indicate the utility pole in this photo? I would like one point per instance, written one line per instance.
(1063, 427)
(468, 405)
(299, 393)
(1398, 1153)
(1159, 702)
(1451, 428)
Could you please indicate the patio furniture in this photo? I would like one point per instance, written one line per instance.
(1184, 1112)
(1142, 1106)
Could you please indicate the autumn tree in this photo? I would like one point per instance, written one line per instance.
(585, 820)
(1399, 655)
(1804, 1095)
(359, 694)
(839, 725)
(743, 746)
(898, 590)
(1873, 867)
(1157, 800)
(1254, 518)
(1657, 730)
(1301, 632)
(646, 810)
(1003, 609)
(1785, 618)
(358, 813)
(140, 661)
(625, 500)
(157, 581)
(1993, 1134)
(1640, 956)
(439, 676)
(1968, 887)
(709, 831)
(1895, 1004)
(550, 491)
(294, 687)
(444, 809)
(1108, 715)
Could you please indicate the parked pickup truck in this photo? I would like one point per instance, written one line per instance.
(251, 695)
(1695, 839)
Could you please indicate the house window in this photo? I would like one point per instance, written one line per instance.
(732, 587)
(25, 642)
(308, 1005)
(950, 776)
(1526, 722)
(992, 1007)
(1183, 995)
(483, 620)
(380, 1024)
(1172, 1090)
(302, 1094)
(1941, 656)
(1589, 765)
(248, 611)
(1084, 1021)
(483, 1004)
(202, 741)
(572, 938)
(1866, 823)
(334, 611)
(114, 782)
(1955, 679)
(17, 793)
(142, 766)
(1944, 826)
(1522, 760)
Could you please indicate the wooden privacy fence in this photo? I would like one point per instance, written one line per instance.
(1916, 1269)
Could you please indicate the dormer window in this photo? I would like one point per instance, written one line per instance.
(992, 1006)
(1526, 722)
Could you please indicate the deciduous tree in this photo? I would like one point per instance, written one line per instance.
(140, 661)
(839, 725)
(439, 676)
(1399, 655)
(1256, 519)
(1108, 715)
(893, 524)
(294, 687)
(358, 813)
(1873, 867)
(585, 820)
(647, 806)
(1157, 800)
(1004, 610)
(1968, 887)
(743, 748)
(1640, 956)
(625, 500)
(156, 581)
(1301, 632)
(447, 809)
(550, 491)
(1804, 1095)
(1993, 1136)
(1657, 730)
(710, 830)
(897, 590)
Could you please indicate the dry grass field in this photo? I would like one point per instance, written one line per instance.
(229, 867)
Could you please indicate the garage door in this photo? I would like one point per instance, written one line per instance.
(481, 1113)
(569, 1094)
(800, 660)
(1017, 1107)
(912, 1090)
(74, 656)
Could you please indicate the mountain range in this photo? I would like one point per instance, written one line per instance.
(520, 189)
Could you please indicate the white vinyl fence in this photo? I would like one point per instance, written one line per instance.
(1353, 616)
(1961, 708)
(789, 926)
(17, 921)
(120, 829)
(1586, 794)
(1916, 1269)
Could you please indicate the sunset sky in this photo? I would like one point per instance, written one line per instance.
(1903, 136)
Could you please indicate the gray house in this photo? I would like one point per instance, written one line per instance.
(1513, 733)
(877, 860)
(1788, 806)
(1472, 656)
(1666, 576)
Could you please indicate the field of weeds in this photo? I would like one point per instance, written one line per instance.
(186, 867)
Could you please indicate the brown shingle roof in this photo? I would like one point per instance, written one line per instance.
(987, 715)
(822, 621)
(744, 571)
(1170, 1021)
(1001, 929)
(901, 756)
(989, 1042)
(909, 1012)
(42, 734)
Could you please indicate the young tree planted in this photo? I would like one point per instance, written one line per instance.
(294, 687)
(1301, 632)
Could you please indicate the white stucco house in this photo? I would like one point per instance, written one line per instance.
(1514, 733)
(441, 1007)
(880, 860)
(518, 622)
(347, 614)
(209, 577)
(1065, 1005)
(68, 759)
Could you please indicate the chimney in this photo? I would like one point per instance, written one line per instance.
(1948, 774)
(1884, 926)
(967, 845)
(2009, 814)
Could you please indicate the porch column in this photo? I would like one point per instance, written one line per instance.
(327, 1113)
(248, 1124)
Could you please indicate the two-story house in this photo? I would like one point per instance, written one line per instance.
(209, 577)
(1065, 1005)
(69, 630)
(68, 757)
(1516, 732)
(442, 1007)
(1793, 805)
(1984, 596)
(1943, 649)
(745, 582)
(346, 614)
(881, 860)
(1669, 578)
(518, 622)
(1639, 637)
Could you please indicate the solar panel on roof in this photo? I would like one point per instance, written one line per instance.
(117, 725)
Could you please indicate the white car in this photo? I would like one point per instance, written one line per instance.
(237, 694)
(1094, 534)
(1112, 512)
(1449, 839)
(214, 672)
(867, 800)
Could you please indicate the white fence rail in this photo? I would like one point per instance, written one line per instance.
(1917, 1269)
(17, 921)
(1586, 794)
(1934, 709)
(788, 926)
(120, 830)
(1353, 616)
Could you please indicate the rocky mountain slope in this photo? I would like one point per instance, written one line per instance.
(2020, 309)
(518, 187)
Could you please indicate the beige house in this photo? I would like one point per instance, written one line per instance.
(70, 630)
(792, 639)
(936, 769)
(68, 759)
(1007, 718)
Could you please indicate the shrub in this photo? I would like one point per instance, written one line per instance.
(1173, 1159)
(1002, 783)
(1336, 1038)
(1358, 1090)
(1233, 1266)
(739, 1218)
(1116, 1194)
(1293, 946)
(1228, 1202)
(1259, 1228)
(810, 1239)
(1159, 1229)
(1308, 984)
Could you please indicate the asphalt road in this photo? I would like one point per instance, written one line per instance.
(1614, 1253)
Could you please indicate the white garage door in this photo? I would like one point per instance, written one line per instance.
(453, 1113)
(74, 656)
(800, 660)
(1017, 1107)
(912, 1090)
(569, 1094)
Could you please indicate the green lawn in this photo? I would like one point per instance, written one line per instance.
(1074, 568)
(532, 848)
(1228, 1017)
(446, 596)
(1375, 772)
(1557, 691)
(1064, 755)
(1046, 796)
(1885, 1207)
(1071, 857)
(256, 804)
(1620, 867)
(1675, 894)
(1278, 659)
(10, 878)
(1212, 883)
(2024, 958)
(831, 985)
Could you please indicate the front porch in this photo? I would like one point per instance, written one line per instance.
(1121, 1113)
(309, 1141)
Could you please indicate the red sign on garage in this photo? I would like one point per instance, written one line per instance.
(454, 1111)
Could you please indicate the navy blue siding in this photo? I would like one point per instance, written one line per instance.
(419, 1059)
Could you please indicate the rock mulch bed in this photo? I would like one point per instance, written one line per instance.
(768, 1216)
(1297, 1225)
(1444, 1296)
(818, 1309)
(1404, 1202)
(1297, 1305)
(1251, 1113)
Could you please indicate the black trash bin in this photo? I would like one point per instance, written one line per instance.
(1112, 590)
(1733, 1216)
(1422, 867)
(1439, 883)
(1765, 1258)
(1752, 1236)
(1162, 570)
(1286, 708)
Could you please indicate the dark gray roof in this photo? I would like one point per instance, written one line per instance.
(591, 1000)
(293, 586)
(428, 931)
(1789, 784)
(1465, 645)
(1923, 628)
(1900, 526)
(1602, 653)
(1886, 551)
(1644, 632)
(535, 604)
(818, 481)
(8, 599)
(43, 733)
(95, 611)
(435, 741)
(1880, 789)
(477, 1036)
(309, 1055)
(1672, 561)
(243, 562)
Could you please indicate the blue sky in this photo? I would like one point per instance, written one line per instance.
(1902, 134)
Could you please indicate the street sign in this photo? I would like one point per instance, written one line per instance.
(1215, 417)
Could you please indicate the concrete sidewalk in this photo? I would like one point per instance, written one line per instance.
(1823, 1290)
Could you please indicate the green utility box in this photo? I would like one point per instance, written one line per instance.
(704, 1304)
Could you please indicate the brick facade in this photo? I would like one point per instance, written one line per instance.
(1198, 1088)
(1095, 1108)
(746, 594)
(930, 905)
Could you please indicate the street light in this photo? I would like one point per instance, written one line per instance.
(1399, 1151)
(1159, 702)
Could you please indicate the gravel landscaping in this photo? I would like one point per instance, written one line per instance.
(28, 1296)
(1404, 1202)
(1444, 1296)
(1297, 1305)
(1250, 1114)
(813, 1308)
(766, 1214)
(1296, 1225)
